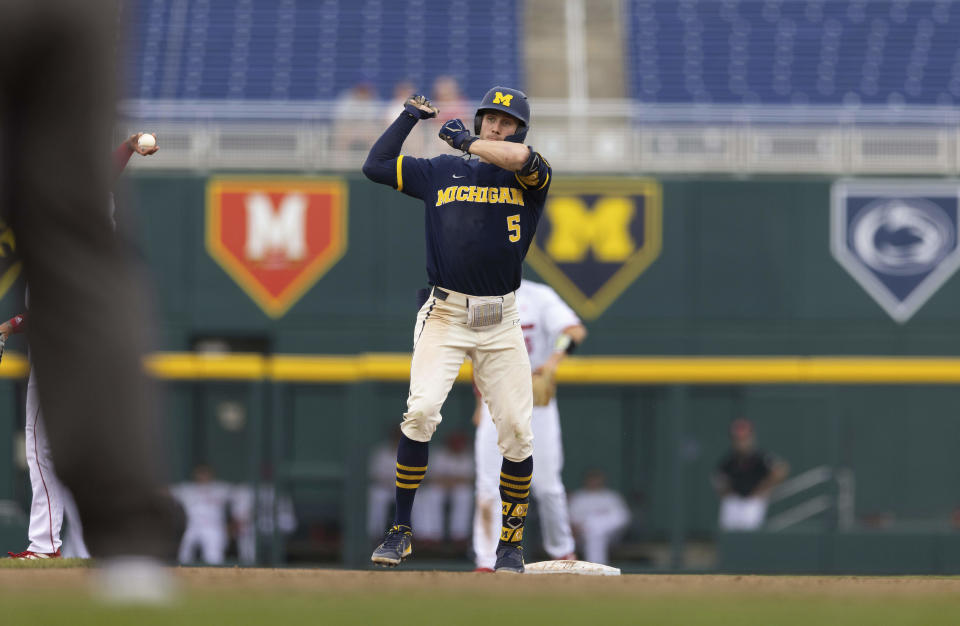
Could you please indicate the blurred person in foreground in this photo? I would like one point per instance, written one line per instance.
(598, 515)
(744, 479)
(51, 503)
(88, 317)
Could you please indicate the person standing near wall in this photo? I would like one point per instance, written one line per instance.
(744, 479)
(598, 514)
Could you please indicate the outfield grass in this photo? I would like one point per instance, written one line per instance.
(245, 597)
(485, 609)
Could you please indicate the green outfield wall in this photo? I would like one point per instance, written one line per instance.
(703, 268)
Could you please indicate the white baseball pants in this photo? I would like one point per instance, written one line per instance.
(548, 490)
(50, 497)
(428, 511)
(742, 513)
(211, 539)
(441, 340)
(379, 501)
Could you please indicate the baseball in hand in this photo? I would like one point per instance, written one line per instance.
(146, 141)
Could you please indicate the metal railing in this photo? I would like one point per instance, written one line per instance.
(615, 136)
(842, 498)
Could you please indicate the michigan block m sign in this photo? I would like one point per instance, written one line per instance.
(898, 239)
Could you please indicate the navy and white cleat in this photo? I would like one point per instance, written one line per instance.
(509, 559)
(397, 545)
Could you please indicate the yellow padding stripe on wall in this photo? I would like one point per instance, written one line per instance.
(597, 370)
(579, 370)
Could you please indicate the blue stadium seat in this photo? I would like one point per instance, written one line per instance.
(794, 51)
(317, 49)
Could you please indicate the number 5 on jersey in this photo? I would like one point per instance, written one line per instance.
(513, 227)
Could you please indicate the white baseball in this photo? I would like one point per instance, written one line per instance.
(147, 141)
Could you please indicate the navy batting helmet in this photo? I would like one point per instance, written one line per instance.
(510, 101)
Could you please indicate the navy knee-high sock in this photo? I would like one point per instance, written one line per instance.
(411, 468)
(515, 478)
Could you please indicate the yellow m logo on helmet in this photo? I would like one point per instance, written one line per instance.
(499, 98)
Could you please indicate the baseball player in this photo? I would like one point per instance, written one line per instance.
(551, 330)
(51, 501)
(205, 502)
(599, 514)
(744, 479)
(249, 522)
(481, 214)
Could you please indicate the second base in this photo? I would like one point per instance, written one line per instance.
(584, 568)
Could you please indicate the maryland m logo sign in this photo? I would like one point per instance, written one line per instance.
(596, 236)
(276, 237)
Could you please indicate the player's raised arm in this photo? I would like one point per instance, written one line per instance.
(142, 143)
(381, 165)
(508, 155)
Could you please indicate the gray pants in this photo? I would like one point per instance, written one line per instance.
(87, 319)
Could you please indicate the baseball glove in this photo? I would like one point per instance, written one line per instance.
(544, 388)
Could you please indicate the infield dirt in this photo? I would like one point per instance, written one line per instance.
(335, 580)
(239, 597)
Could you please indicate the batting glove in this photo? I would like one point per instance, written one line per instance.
(419, 107)
(457, 135)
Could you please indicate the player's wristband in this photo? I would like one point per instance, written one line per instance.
(565, 343)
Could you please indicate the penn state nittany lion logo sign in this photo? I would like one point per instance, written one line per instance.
(898, 239)
(595, 237)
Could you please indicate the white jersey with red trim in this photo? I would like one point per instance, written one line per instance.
(543, 316)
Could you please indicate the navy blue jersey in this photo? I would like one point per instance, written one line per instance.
(480, 219)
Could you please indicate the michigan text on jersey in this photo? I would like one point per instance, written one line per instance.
(491, 195)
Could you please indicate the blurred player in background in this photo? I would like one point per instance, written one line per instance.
(204, 500)
(480, 215)
(551, 330)
(745, 478)
(450, 487)
(257, 510)
(598, 514)
(88, 315)
(51, 502)
(381, 471)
